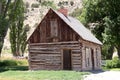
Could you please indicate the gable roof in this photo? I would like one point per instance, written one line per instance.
(78, 27)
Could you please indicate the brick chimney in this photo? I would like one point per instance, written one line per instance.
(64, 11)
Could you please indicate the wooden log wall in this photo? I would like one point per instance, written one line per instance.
(96, 55)
(48, 56)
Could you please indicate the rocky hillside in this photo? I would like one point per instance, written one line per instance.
(36, 9)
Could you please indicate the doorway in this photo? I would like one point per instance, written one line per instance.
(67, 59)
(92, 59)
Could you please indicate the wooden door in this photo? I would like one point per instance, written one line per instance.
(92, 58)
(67, 59)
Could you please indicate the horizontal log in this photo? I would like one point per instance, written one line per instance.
(53, 60)
(45, 49)
(42, 54)
(54, 43)
(45, 55)
(37, 60)
(76, 64)
(76, 50)
(37, 68)
(46, 58)
(32, 51)
(39, 52)
(76, 58)
(76, 55)
(55, 46)
(38, 64)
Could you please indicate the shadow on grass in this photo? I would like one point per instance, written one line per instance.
(14, 68)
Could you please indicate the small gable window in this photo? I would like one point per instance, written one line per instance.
(54, 28)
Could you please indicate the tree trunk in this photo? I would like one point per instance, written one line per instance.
(110, 52)
(1, 44)
(118, 52)
(0, 52)
(5, 29)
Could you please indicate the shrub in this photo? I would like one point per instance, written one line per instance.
(4, 63)
(8, 63)
(108, 64)
(115, 63)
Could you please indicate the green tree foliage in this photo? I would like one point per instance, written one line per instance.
(76, 13)
(107, 51)
(106, 18)
(35, 5)
(17, 31)
(94, 12)
(48, 4)
(4, 20)
(62, 3)
(112, 23)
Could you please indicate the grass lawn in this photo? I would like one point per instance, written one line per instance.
(115, 69)
(21, 73)
(112, 69)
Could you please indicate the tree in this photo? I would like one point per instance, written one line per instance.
(48, 4)
(23, 41)
(97, 12)
(4, 7)
(112, 23)
(17, 31)
(76, 13)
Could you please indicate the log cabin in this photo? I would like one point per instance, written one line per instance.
(61, 42)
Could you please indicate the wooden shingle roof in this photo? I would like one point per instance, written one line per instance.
(79, 28)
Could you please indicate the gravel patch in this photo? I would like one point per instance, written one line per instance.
(107, 75)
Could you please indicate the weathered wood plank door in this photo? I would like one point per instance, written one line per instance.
(92, 58)
(67, 59)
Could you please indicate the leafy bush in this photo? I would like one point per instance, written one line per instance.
(8, 63)
(115, 63)
(11, 62)
(108, 64)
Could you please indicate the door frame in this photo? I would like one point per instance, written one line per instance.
(62, 59)
(92, 59)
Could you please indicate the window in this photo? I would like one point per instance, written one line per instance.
(97, 57)
(54, 28)
(87, 57)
